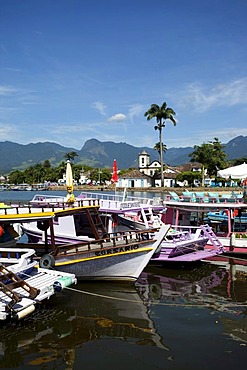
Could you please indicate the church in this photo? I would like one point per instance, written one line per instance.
(148, 174)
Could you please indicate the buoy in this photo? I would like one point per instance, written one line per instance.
(61, 283)
(26, 311)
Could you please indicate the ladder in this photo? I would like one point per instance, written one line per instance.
(9, 281)
(96, 223)
(208, 232)
(149, 215)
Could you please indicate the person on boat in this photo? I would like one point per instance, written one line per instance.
(7, 233)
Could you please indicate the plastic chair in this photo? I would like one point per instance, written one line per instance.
(227, 198)
(175, 196)
(213, 197)
(188, 196)
(201, 197)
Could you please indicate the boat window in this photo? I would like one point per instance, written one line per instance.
(56, 220)
(82, 226)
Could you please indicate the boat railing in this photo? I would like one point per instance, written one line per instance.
(54, 200)
(39, 198)
(129, 238)
(189, 228)
(21, 207)
(186, 232)
(14, 255)
(154, 201)
(108, 204)
(103, 196)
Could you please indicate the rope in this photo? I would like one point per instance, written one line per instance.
(154, 302)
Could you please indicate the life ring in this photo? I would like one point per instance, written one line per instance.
(1, 231)
(235, 213)
(47, 262)
(43, 225)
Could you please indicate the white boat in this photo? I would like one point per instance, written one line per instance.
(99, 255)
(23, 285)
(114, 210)
(181, 244)
(141, 219)
(19, 296)
(18, 260)
(136, 214)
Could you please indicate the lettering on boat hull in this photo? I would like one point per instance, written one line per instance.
(117, 250)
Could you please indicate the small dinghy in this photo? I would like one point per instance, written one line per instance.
(22, 285)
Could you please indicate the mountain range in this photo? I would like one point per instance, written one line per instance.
(95, 153)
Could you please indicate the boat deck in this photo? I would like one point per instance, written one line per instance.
(18, 297)
(187, 256)
(140, 238)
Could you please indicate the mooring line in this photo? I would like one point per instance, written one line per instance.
(155, 302)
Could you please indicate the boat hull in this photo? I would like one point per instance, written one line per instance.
(115, 264)
(223, 217)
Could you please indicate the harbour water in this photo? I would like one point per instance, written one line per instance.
(171, 318)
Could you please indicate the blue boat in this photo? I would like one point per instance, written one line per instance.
(239, 217)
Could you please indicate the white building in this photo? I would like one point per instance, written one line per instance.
(134, 179)
(145, 166)
(153, 170)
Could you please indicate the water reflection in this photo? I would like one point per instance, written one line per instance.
(92, 312)
(220, 288)
(163, 303)
(204, 279)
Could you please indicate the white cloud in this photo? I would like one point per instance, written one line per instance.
(135, 110)
(100, 107)
(8, 132)
(203, 136)
(6, 90)
(225, 94)
(119, 117)
(14, 96)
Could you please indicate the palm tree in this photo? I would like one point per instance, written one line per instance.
(70, 156)
(161, 114)
(157, 147)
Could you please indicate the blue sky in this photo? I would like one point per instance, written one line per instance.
(73, 70)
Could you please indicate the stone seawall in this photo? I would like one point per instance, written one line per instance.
(179, 191)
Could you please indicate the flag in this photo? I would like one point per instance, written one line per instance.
(114, 173)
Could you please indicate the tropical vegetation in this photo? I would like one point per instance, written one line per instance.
(161, 113)
(44, 172)
(163, 147)
(211, 156)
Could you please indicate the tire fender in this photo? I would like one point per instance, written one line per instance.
(47, 262)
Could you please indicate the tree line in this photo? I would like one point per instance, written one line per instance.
(44, 172)
(210, 155)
